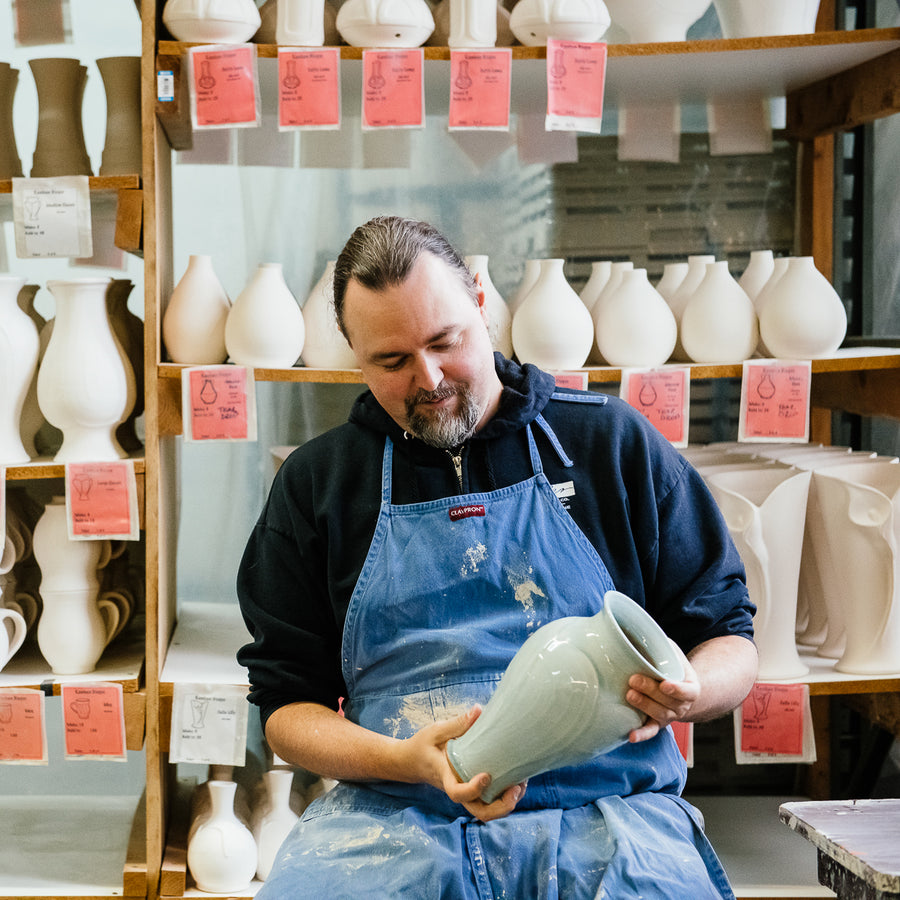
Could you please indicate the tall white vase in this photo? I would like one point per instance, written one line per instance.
(755, 18)
(765, 510)
(759, 270)
(616, 272)
(529, 278)
(647, 21)
(593, 288)
(803, 316)
(221, 853)
(19, 347)
(672, 276)
(75, 626)
(719, 324)
(533, 21)
(552, 329)
(635, 326)
(265, 329)
(273, 818)
(193, 325)
(211, 21)
(499, 320)
(861, 516)
(83, 381)
(325, 346)
(678, 301)
(300, 23)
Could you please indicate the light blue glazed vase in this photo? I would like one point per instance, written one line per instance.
(570, 677)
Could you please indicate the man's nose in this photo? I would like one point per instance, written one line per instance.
(429, 373)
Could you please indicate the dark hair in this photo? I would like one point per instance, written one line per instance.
(383, 252)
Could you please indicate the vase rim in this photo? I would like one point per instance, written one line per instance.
(85, 280)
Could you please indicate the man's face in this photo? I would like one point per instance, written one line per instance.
(425, 353)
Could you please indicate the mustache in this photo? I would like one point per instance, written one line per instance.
(442, 393)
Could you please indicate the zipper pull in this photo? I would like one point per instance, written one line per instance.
(457, 465)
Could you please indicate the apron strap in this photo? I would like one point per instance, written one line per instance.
(387, 465)
(554, 441)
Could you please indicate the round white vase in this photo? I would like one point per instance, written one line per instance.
(635, 326)
(211, 21)
(649, 21)
(779, 267)
(696, 272)
(552, 329)
(672, 276)
(19, 349)
(83, 380)
(719, 322)
(529, 278)
(533, 21)
(756, 18)
(616, 273)
(221, 853)
(325, 346)
(385, 23)
(593, 287)
(496, 312)
(265, 329)
(273, 818)
(803, 316)
(193, 325)
(571, 675)
(759, 270)
(300, 23)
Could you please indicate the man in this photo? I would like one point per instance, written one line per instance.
(404, 557)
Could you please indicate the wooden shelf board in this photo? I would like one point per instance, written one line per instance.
(46, 468)
(92, 842)
(95, 183)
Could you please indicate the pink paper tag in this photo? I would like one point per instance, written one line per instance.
(576, 380)
(22, 737)
(479, 89)
(393, 89)
(684, 737)
(309, 88)
(576, 74)
(772, 719)
(661, 396)
(99, 496)
(775, 400)
(224, 86)
(218, 403)
(94, 719)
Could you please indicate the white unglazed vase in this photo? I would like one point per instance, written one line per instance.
(672, 276)
(84, 381)
(75, 625)
(10, 162)
(758, 272)
(616, 272)
(19, 349)
(13, 631)
(635, 326)
(528, 281)
(649, 21)
(593, 287)
(719, 322)
(300, 23)
(678, 301)
(533, 21)
(499, 320)
(193, 325)
(385, 23)
(273, 819)
(265, 329)
(756, 18)
(221, 854)
(803, 316)
(473, 23)
(861, 515)
(765, 510)
(211, 21)
(571, 675)
(552, 329)
(325, 346)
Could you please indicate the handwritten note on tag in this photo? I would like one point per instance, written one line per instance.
(209, 724)
(775, 723)
(219, 403)
(23, 738)
(775, 400)
(101, 499)
(224, 87)
(479, 89)
(576, 76)
(393, 91)
(309, 93)
(663, 396)
(94, 720)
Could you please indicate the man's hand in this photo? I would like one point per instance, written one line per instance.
(663, 702)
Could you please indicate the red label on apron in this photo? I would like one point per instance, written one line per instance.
(466, 512)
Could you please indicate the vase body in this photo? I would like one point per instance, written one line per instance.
(129, 331)
(552, 328)
(779, 267)
(758, 272)
(122, 84)
(648, 21)
(719, 322)
(616, 274)
(300, 23)
(496, 312)
(273, 819)
(59, 148)
(32, 419)
(533, 21)
(10, 163)
(529, 278)
(570, 676)
(385, 23)
(755, 18)
(83, 381)
(672, 276)
(193, 325)
(211, 21)
(803, 316)
(635, 326)
(473, 23)
(765, 510)
(75, 625)
(696, 272)
(221, 853)
(265, 326)
(443, 17)
(19, 349)
(13, 631)
(325, 346)
(593, 288)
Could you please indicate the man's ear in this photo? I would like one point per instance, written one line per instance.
(479, 294)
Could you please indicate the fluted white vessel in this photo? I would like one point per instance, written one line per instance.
(19, 348)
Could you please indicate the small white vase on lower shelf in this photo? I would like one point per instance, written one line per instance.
(273, 818)
(19, 348)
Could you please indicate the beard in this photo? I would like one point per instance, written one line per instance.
(443, 428)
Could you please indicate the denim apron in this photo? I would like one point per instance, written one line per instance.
(450, 589)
